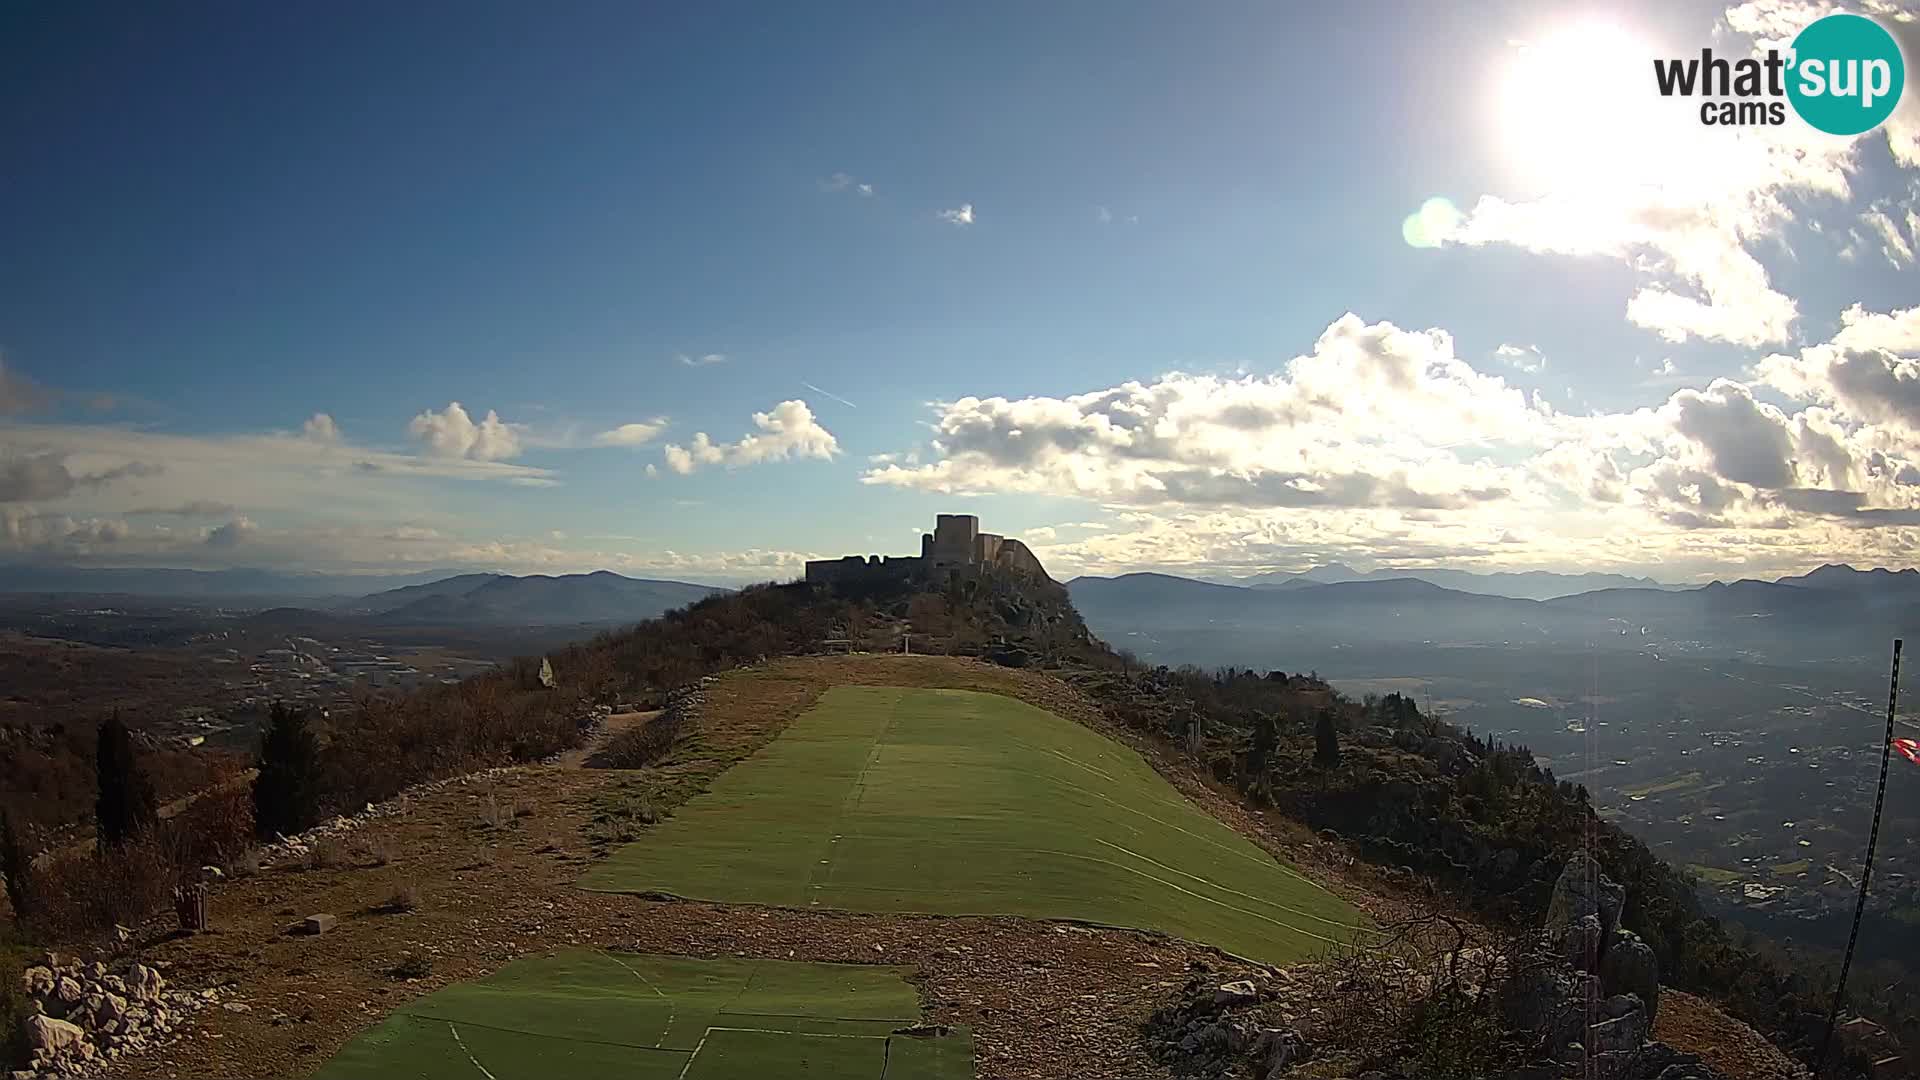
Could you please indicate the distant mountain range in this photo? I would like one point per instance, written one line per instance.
(1525, 585)
(537, 599)
(443, 596)
(240, 583)
(1832, 612)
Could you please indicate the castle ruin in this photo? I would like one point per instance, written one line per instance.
(955, 546)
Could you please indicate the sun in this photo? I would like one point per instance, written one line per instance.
(1575, 111)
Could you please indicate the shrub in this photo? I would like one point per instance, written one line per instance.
(214, 829)
(329, 854)
(74, 899)
(404, 899)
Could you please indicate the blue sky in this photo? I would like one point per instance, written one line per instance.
(221, 222)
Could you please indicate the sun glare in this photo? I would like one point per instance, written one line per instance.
(1575, 111)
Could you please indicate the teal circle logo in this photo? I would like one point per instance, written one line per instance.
(1847, 74)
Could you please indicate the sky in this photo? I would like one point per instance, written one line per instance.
(702, 291)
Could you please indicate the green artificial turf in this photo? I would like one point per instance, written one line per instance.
(955, 802)
(615, 1016)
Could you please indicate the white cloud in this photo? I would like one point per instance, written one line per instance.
(1103, 215)
(1362, 420)
(321, 428)
(636, 434)
(1381, 443)
(1897, 249)
(701, 360)
(451, 433)
(960, 215)
(231, 535)
(1525, 358)
(847, 182)
(788, 431)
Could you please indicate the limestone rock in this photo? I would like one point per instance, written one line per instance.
(1618, 1034)
(68, 990)
(37, 981)
(1238, 992)
(317, 924)
(1629, 967)
(147, 984)
(1580, 943)
(1582, 889)
(54, 1037)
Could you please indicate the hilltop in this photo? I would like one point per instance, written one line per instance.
(1434, 814)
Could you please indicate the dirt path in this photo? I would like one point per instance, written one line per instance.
(613, 725)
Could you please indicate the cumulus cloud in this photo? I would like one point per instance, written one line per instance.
(451, 433)
(787, 431)
(635, 434)
(1382, 440)
(959, 215)
(321, 428)
(1869, 371)
(1362, 420)
(41, 476)
(58, 534)
(230, 535)
(1526, 358)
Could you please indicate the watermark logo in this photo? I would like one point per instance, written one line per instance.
(1843, 75)
(1849, 74)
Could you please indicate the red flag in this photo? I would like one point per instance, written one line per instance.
(1908, 747)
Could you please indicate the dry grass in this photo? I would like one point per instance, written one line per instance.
(330, 853)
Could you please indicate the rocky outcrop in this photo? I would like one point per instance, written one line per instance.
(79, 1015)
(1577, 998)
(1590, 991)
(1219, 1029)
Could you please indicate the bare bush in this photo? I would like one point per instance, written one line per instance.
(77, 898)
(375, 851)
(330, 853)
(246, 864)
(1427, 991)
(404, 899)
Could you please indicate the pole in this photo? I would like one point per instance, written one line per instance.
(1866, 871)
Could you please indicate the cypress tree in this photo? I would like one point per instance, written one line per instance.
(126, 803)
(286, 794)
(15, 864)
(1326, 741)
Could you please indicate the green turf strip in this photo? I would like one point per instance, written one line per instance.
(954, 802)
(603, 1016)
